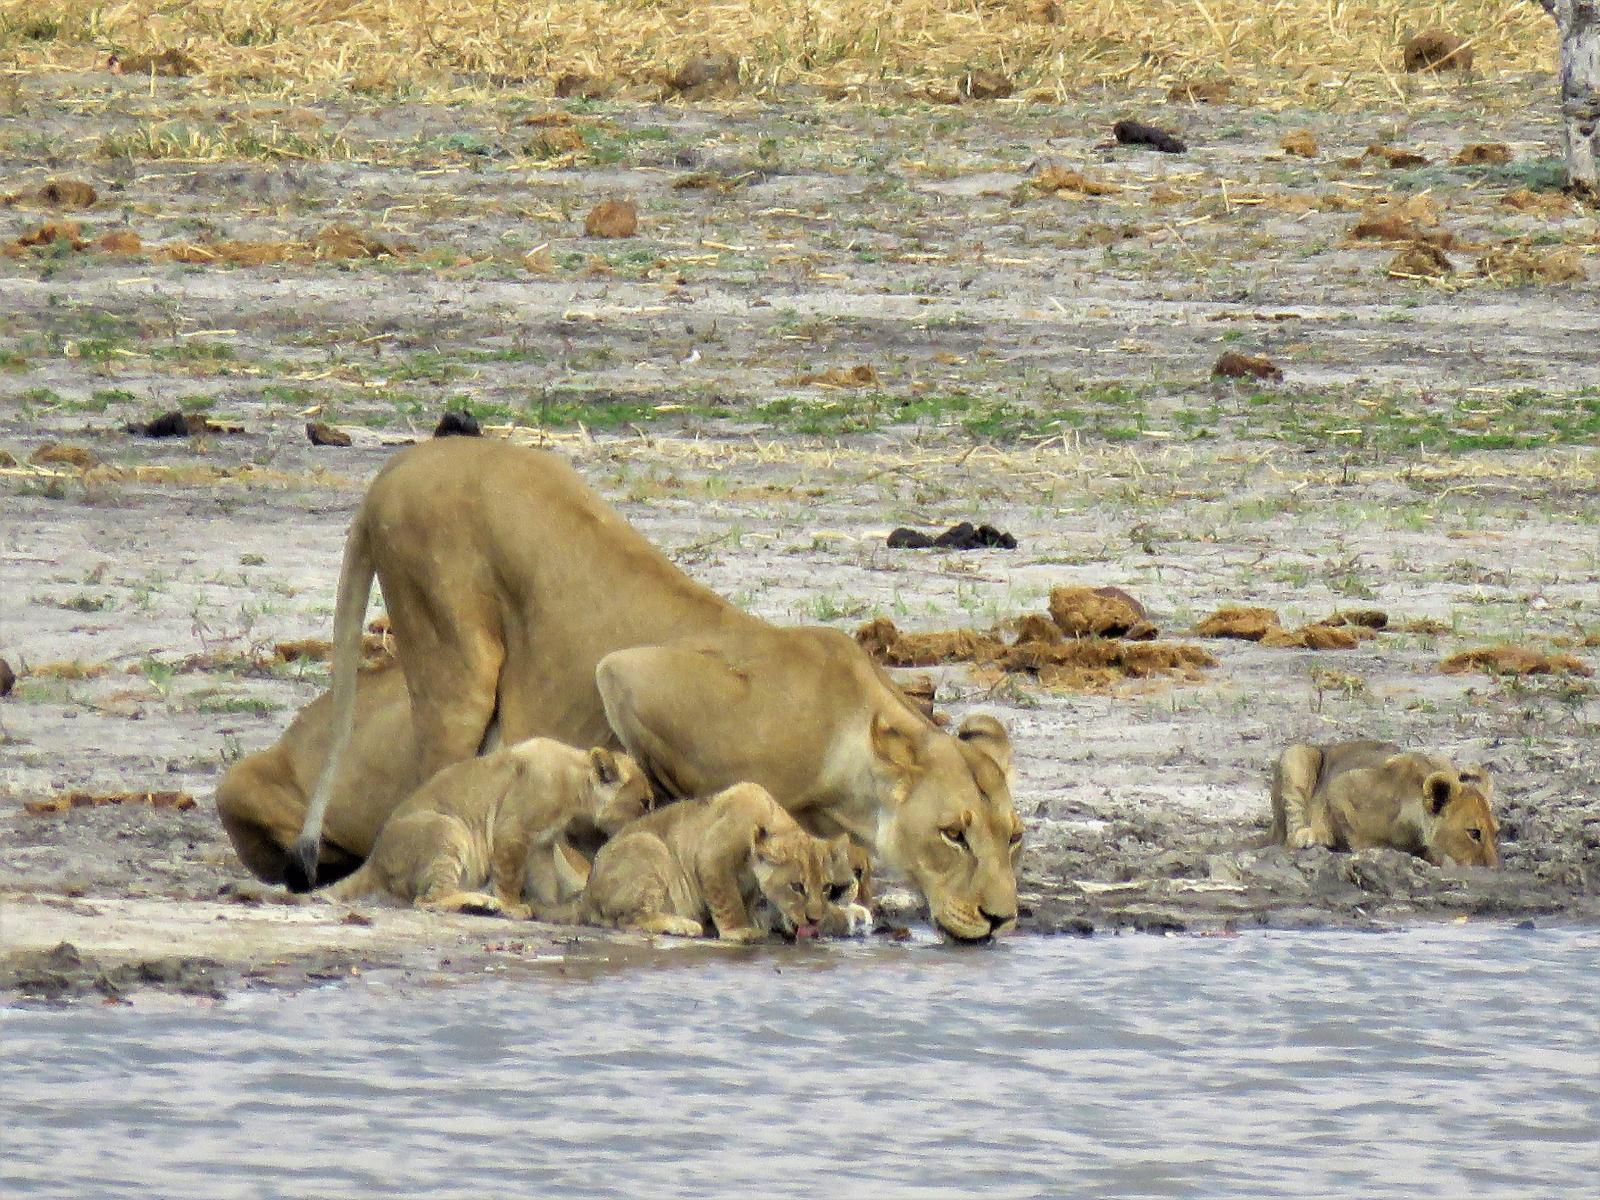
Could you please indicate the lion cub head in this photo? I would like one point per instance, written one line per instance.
(619, 790)
(953, 827)
(804, 880)
(1461, 829)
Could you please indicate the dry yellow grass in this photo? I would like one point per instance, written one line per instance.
(1333, 48)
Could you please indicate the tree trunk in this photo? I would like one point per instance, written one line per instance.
(1579, 24)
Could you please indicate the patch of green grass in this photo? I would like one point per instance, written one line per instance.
(251, 705)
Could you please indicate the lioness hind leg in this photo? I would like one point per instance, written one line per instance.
(1294, 782)
(262, 818)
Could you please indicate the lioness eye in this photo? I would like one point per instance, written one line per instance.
(1016, 838)
(797, 886)
(1475, 834)
(956, 835)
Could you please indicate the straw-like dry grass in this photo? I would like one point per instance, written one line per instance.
(1333, 48)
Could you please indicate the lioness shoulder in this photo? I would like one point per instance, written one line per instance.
(1360, 795)
(487, 834)
(715, 858)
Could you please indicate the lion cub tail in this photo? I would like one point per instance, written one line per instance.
(355, 586)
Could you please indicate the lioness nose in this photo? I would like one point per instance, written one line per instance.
(996, 921)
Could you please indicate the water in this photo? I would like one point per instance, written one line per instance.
(1441, 1062)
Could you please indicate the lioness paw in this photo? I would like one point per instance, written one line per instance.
(857, 920)
(743, 936)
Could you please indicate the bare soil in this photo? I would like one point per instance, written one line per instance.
(973, 348)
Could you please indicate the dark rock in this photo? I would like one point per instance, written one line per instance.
(1137, 133)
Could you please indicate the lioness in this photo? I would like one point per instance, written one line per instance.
(670, 870)
(1360, 795)
(499, 822)
(516, 593)
(262, 799)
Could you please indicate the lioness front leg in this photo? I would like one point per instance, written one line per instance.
(1294, 781)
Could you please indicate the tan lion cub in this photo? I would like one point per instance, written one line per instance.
(671, 869)
(500, 821)
(1361, 795)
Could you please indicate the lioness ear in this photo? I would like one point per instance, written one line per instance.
(604, 765)
(894, 745)
(1438, 788)
(985, 733)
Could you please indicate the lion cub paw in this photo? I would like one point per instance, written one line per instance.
(742, 937)
(857, 920)
(1302, 839)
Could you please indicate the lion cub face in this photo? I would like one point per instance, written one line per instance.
(1464, 832)
(619, 790)
(805, 880)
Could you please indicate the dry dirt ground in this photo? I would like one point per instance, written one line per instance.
(832, 320)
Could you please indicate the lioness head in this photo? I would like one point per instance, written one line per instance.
(1462, 829)
(619, 790)
(802, 878)
(952, 827)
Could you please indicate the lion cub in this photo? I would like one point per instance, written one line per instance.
(500, 821)
(1360, 795)
(670, 869)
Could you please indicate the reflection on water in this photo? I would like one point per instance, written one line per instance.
(1439, 1062)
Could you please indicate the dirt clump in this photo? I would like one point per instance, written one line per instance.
(1545, 204)
(1201, 91)
(8, 678)
(172, 63)
(707, 77)
(1302, 143)
(612, 219)
(60, 454)
(861, 375)
(1518, 263)
(1420, 260)
(1414, 220)
(119, 241)
(1246, 623)
(961, 536)
(1065, 184)
(46, 236)
(1316, 637)
(57, 193)
(576, 85)
(341, 241)
(1366, 618)
(1512, 660)
(1233, 365)
(178, 424)
(320, 434)
(1137, 133)
(883, 641)
(1476, 154)
(1108, 612)
(1436, 50)
(1394, 157)
(66, 801)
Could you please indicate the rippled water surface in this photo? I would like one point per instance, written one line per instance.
(1440, 1062)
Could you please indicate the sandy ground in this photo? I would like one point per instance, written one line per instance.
(1040, 363)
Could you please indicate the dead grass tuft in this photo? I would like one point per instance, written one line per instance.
(1477, 154)
(1512, 660)
(1437, 50)
(612, 219)
(1518, 263)
(1080, 612)
(1420, 260)
(67, 801)
(590, 47)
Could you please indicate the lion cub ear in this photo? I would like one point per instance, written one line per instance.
(1438, 790)
(604, 765)
(985, 733)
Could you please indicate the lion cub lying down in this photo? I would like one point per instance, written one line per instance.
(671, 869)
(1361, 795)
(500, 821)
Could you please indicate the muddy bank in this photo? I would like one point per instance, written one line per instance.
(808, 344)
